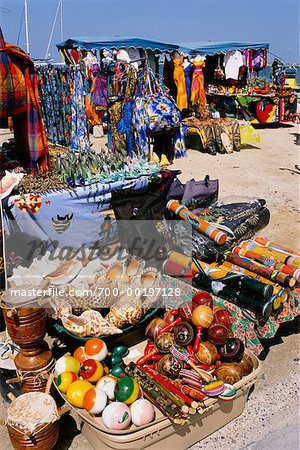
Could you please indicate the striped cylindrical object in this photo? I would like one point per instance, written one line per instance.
(198, 224)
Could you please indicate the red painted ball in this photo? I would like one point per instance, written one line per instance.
(217, 334)
(186, 311)
(202, 298)
(223, 317)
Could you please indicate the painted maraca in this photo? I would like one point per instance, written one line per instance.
(223, 317)
(202, 317)
(161, 345)
(202, 298)
(169, 366)
(185, 311)
(232, 350)
(183, 355)
(184, 334)
(229, 373)
(217, 334)
(153, 327)
(207, 353)
(246, 364)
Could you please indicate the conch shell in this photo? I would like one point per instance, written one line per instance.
(65, 273)
(89, 323)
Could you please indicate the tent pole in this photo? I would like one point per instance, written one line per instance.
(26, 27)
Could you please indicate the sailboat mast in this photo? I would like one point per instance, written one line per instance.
(26, 27)
(61, 21)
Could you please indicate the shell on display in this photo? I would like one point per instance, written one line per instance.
(115, 272)
(134, 267)
(89, 323)
(124, 314)
(65, 273)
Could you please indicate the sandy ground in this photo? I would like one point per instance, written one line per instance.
(271, 417)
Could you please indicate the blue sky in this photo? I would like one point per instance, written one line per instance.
(273, 21)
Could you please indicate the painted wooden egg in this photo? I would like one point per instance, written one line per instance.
(246, 364)
(121, 350)
(76, 392)
(153, 327)
(80, 354)
(183, 333)
(64, 380)
(224, 317)
(202, 316)
(169, 366)
(95, 348)
(115, 359)
(207, 353)
(214, 389)
(164, 341)
(117, 371)
(67, 363)
(95, 401)
(202, 298)
(142, 412)
(185, 311)
(91, 370)
(217, 334)
(228, 394)
(107, 384)
(232, 350)
(116, 416)
(229, 373)
(127, 390)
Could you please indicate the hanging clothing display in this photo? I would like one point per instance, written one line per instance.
(233, 61)
(99, 88)
(188, 81)
(168, 77)
(198, 91)
(179, 78)
(79, 139)
(20, 99)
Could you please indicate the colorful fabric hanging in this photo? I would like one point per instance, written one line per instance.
(79, 124)
(179, 78)
(198, 91)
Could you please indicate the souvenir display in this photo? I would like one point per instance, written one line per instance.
(96, 349)
(214, 389)
(202, 298)
(67, 363)
(80, 354)
(217, 334)
(169, 366)
(183, 333)
(202, 316)
(94, 401)
(207, 353)
(164, 341)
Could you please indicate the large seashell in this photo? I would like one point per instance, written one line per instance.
(148, 278)
(134, 267)
(89, 323)
(115, 272)
(75, 325)
(65, 273)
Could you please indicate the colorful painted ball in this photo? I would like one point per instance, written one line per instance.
(67, 363)
(202, 316)
(183, 333)
(214, 389)
(169, 366)
(64, 380)
(76, 392)
(229, 393)
(185, 311)
(121, 350)
(217, 334)
(94, 401)
(107, 384)
(142, 412)
(116, 416)
(95, 348)
(207, 353)
(246, 364)
(91, 370)
(229, 373)
(115, 359)
(164, 341)
(232, 350)
(223, 317)
(127, 390)
(80, 354)
(153, 327)
(202, 298)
